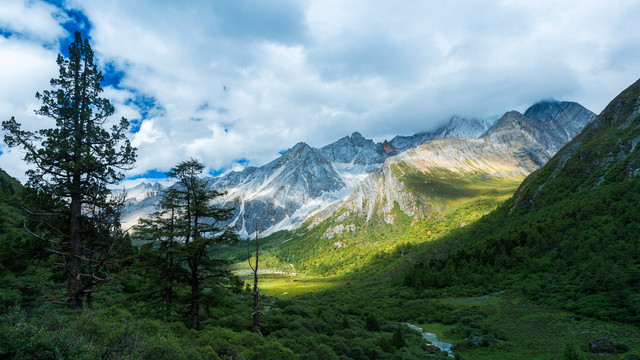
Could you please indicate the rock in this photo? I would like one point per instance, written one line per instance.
(477, 340)
(605, 345)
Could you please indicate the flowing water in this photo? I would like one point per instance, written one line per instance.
(431, 337)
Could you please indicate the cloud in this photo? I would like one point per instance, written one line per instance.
(32, 20)
(223, 81)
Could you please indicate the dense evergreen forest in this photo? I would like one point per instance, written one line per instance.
(550, 272)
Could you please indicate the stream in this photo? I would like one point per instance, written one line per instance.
(443, 346)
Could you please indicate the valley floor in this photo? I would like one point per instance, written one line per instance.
(507, 325)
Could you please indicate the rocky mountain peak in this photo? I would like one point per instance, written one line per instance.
(298, 150)
(456, 127)
(357, 138)
(605, 152)
(545, 110)
(509, 126)
(354, 149)
(565, 119)
(388, 148)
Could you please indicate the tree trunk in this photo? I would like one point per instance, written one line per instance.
(256, 295)
(168, 288)
(195, 298)
(89, 301)
(168, 295)
(74, 283)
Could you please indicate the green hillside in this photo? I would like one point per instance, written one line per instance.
(9, 195)
(570, 236)
(10, 213)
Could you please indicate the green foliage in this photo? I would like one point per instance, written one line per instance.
(117, 334)
(571, 352)
(13, 239)
(23, 338)
(547, 252)
(397, 340)
(372, 323)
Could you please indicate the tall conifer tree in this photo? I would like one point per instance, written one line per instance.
(185, 230)
(77, 159)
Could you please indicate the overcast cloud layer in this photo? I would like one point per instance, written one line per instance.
(233, 83)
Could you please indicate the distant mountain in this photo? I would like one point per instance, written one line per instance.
(570, 236)
(305, 181)
(141, 201)
(565, 119)
(273, 194)
(285, 192)
(424, 176)
(355, 149)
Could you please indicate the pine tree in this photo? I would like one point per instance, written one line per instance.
(163, 236)
(75, 161)
(184, 231)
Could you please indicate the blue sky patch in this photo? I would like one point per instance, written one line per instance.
(112, 75)
(217, 172)
(134, 125)
(151, 174)
(6, 33)
(78, 21)
(148, 105)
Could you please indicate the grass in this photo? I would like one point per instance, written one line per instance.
(451, 189)
(535, 331)
(285, 286)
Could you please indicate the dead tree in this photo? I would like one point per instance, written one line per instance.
(255, 315)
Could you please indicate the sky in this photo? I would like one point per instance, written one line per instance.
(234, 83)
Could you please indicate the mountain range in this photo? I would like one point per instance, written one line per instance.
(307, 183)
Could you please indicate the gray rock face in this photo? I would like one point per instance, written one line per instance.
(457, 127)
(354, 149)
(270, 194)
(530, 136)
(141, 201)
(564, 119)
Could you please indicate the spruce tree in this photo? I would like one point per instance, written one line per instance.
(163, 236)
(204, 227)
(184, 233)
(76, 160)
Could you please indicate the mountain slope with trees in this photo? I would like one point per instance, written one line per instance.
(570, 236)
